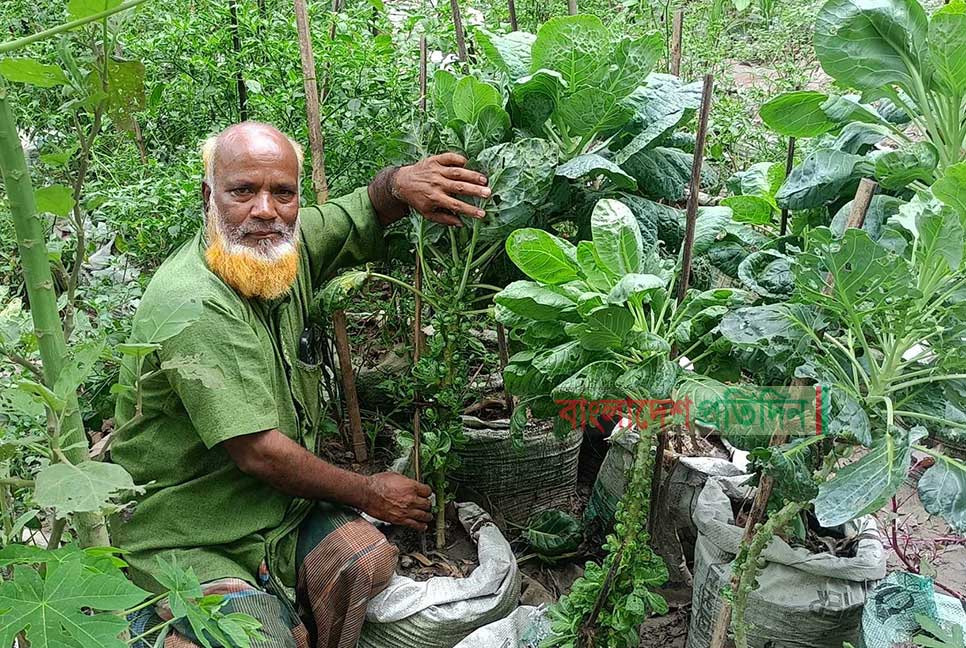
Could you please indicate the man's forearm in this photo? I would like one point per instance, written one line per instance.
(388, 207)
(290, 468)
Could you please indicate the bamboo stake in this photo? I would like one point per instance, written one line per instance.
(458, 25)
(789, 162)
(312, 108)
(418, 316)
(687, 251)
(236, 47)
(572, 7)
(349, 386)
(722, 623)
(676, 42)
(512, 6)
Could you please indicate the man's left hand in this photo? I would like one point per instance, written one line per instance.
(430, 186)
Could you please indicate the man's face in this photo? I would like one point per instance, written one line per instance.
(255, 192)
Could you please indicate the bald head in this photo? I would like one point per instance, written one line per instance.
(249, 139)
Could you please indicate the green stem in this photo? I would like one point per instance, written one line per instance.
(403, 284)
(151, 601)
(20, 43)
(31, 242)
(14, 482)
(148, 633)
(469, 260)
(932, 419)
(928, 379)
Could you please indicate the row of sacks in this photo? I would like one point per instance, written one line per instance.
(805, 599)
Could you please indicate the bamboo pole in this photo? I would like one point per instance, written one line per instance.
(458, 26)
(572, 7)
(418, 316)
(789, 162)
(676, 42)
(687, 252)
(512, 7)
(759, 507)
(349, 386)
(312, 107)
(236, 48)
(31, 243)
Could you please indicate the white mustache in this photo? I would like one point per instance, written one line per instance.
(232, 236)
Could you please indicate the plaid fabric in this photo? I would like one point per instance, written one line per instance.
(343, 562)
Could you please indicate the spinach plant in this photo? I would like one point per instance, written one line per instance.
(908, 70)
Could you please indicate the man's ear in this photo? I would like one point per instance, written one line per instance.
(205, 195)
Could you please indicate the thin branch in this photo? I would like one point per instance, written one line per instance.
(25, 363)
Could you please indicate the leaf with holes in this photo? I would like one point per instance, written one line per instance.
(82, 488)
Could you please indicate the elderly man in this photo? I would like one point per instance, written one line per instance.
(234, 489)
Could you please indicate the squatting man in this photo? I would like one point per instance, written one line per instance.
(235, 489)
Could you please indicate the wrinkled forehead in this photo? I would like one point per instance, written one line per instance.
(255, 150)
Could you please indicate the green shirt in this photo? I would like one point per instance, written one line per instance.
(198, 507)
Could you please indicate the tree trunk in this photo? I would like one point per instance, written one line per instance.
(31, 242)
(236, 47)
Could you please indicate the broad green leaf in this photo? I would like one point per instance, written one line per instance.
(193, 367)
(521, 175)
(525, 380)
(43, 395)
(866, 44)
(52, 609)
(648, 344)
(493, 124)
(58, 158)
(471, 96)
(896, 169)
(865, 486)
(849, 420)
(940, 234)
(791, 467)
(947, 45)
(125, 91)
(77, 9)
(951, 188)
(182, 585)
(509, 53)
(880, 210)
(571, 45)
(797, 114)
(710, 225)
(597, 276)
(595, 381)
(631, 61)
(54, 199)
(542, 256)
(592, 110)
(553, 533)
(823, 177)
(560, 361)
(84, 487)
(660, 104)
(847, 108)
(18, 400)
(648, 215)
(25, 70)
(444, 86)
(535, 97)
(859, 137)
(536, 302)
(653, 379)
(78, 368)
(661, 173)
(617, 237)
(137, 350)
(159, 322)
(604, 328)
(636, 288)
(750, 209)
(768, 273)
(589, 166)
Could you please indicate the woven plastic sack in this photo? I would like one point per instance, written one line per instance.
(517, 482)
(889, 616)
(804, 600)
(611, 481)
(526, 627)
(440, 612)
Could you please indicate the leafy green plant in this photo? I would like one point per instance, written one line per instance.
(933, 635)
(879, 325)
(916, 78)
(553, 534)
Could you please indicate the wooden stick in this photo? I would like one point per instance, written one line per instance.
(722, 624)
(418, 316)
(512, 6)
(687, 251)
(349, 386)
(236, 47)
(789, 162)
(458, 25)
(676, 42)
(504, 361)
(572, 7)
(422, 79)
(312, 108)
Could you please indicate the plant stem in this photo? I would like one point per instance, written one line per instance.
(14, 482)
(60, 29)
(441, 512)
(23, 362)
(927, 379)
(31, 242)
(151, 631)
(56, 532)
(140, 606)
(469, 260)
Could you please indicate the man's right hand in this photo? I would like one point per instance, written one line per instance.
(392, 498)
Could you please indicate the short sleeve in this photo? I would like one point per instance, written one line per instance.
(343, 232)
(244, 403)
